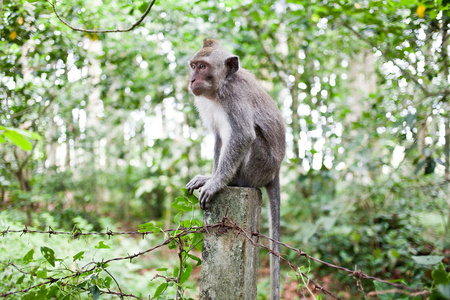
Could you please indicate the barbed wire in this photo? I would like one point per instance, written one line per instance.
(77, 232)
(223, 226)
(359, 274)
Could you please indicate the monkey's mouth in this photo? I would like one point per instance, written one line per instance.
(197, 90)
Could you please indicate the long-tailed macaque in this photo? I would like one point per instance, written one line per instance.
(249, 134)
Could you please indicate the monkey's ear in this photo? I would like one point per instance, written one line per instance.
(232, 64)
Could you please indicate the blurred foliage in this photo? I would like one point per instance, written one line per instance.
(87, 272)
(97, 127)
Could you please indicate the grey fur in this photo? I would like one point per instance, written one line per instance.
(253, 151)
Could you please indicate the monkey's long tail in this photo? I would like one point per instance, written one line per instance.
(273, 191)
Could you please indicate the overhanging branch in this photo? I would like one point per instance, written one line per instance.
(149, 8)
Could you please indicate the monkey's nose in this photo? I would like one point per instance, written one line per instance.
(192, 80)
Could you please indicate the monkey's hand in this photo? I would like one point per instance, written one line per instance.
(207, 191)
(196, 183)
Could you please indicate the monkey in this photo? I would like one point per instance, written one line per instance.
(249, 132)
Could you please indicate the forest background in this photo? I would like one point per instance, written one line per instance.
(98, 131)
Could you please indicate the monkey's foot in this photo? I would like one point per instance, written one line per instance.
(196, 183)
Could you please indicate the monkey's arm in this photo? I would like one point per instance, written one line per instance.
(217, 149)
(231, 156)
(199, 180)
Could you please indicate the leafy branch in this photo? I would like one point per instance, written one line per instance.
(149, 8)
(404, 71)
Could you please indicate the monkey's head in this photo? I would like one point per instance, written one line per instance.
(210, 67)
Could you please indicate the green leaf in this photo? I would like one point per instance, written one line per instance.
(152, 226)
(186, 223)
(182, 204)
(20, 280)
(33, 272)
(42, 273)
(143, 7)
(161, 288)
(42, 293)
(185, 274)
(195, 258)
(188, 197)
(2, 139)
(102, 245)
(49, 255)
(197, 223)
(18, 140)
(28, 257)
(108, 281)
(428, 260)
(52, 292)
(35, 136)
(193, 199)
(185, 192)
(177, 218)
(172, 245)
(27, 134)
(176, 271)
(393, 254)
(440, 276)
(197, 240)
(444, 290)
(102, 265)
(95, 292)
(162, 269)
(78, 256)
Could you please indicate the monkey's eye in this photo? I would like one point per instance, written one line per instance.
(192, 66)
(201, 66)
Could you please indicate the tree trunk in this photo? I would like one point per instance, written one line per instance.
(25, 186)
(445, 58)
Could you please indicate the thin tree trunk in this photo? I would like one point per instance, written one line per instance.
(67, 162)
(26, 187)
(1, 10)
(447, 150)
(447, 179)
(294, 91)
(295, 125)
(445, 68)
(445, 58)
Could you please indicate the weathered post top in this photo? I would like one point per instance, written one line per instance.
(230, 261)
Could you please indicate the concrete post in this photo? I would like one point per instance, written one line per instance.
(229, 260)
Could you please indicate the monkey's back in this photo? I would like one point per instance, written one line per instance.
(243, 90)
